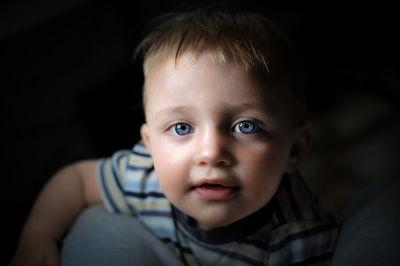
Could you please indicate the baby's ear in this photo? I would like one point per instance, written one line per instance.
(144, 133)
(301, 144)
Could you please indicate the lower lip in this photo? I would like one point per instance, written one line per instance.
(215, 193)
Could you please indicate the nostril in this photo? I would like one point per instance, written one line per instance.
(222, 163)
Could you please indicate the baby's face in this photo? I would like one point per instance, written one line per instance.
(220, 140)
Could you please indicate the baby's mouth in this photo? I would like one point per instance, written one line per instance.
(214, 190)
(214, 186)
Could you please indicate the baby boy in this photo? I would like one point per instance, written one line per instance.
(214, 176)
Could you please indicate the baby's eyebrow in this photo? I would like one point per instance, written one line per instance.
(173, 110)
(231, 108)
(246, 106)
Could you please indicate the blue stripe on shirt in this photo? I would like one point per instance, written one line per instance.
(278, 212)
(142, 154)
(232, 255)
(144, 195)
(105, 188)
(292, 202)
(116, 174)
(177, 245)
(303, 234)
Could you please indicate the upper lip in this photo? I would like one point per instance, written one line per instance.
(219, 182)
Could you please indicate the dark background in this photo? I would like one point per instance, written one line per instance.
(70, 90)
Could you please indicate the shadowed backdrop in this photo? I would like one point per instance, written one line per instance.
(70, 90)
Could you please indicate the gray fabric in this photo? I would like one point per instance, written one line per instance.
(103, 239)
(370, 231)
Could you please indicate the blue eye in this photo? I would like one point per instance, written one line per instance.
(182, 129)
(246, 127)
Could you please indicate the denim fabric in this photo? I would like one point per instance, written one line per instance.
(370, 231)
(104, 239)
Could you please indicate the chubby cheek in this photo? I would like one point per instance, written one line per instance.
(167, 179)
(170, 165)
(263, 172)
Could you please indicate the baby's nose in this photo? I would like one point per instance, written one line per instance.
(213, 150)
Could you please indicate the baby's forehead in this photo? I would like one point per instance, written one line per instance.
(169, 74)
(206, 58)
(182, 67)
(262, 76)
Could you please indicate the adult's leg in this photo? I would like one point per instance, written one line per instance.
(104, 239)
(370, 231)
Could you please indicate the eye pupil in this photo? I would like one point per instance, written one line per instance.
(246, 127)
(182, 129)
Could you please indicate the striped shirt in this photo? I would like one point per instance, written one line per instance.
(290, 230)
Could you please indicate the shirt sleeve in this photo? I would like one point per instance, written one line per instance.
(128, 183)
(110, 174)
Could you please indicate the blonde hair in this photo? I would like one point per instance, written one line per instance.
(225, 35)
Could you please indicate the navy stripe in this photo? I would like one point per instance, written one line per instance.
(156, 213)
(278, 212)
(105, 188)
(237, 256)
(303, 234)
(244, 258)
(142, 195)
(305, 186)
(231, 254)
(115, 175)
(292, 202)
(314, 259)
(137, 168)
(141, 154)
(177, 245)
(264, 245)
(310, 196)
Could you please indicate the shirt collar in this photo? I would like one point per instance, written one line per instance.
(233, 232)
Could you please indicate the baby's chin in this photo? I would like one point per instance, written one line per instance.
(217, 221)
(209, 225)
(210, 220)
